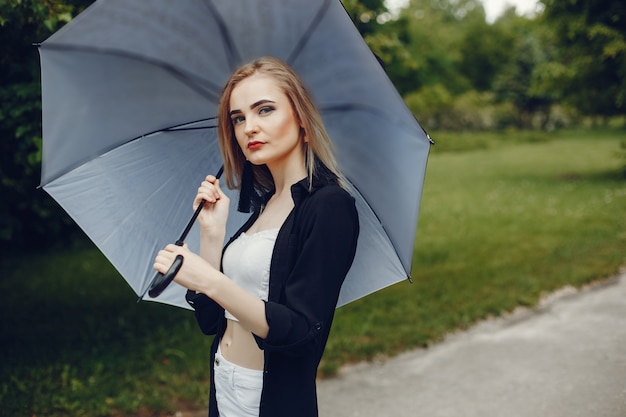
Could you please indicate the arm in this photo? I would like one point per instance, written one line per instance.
(211, 246)
(212, 291)
(212, 220)
(208, 311)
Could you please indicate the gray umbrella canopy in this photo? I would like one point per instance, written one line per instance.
(130, 92)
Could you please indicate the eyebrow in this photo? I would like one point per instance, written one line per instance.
(253, 105)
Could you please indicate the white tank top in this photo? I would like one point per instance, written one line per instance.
(247, 262)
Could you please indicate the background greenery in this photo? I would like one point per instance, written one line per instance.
(524, 193)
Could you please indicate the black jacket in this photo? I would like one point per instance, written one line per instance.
(314, 250)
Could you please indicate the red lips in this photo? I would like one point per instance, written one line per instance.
(255, 145)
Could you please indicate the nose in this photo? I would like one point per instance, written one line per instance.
(251, 127)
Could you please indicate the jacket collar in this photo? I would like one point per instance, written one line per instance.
(303, 188)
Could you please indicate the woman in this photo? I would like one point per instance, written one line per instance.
(269, 297)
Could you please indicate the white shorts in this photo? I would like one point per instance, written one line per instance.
(237, 389)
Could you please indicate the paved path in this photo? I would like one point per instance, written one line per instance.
(567, 358)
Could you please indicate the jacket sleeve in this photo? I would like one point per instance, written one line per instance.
(326, 243)
(207, 311)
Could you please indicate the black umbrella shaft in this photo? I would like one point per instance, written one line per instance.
(183, 236)
(161, 281)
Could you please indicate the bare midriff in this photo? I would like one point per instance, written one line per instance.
(239, 346)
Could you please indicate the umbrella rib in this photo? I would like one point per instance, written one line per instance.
(205, 88)
(350, 106)
(182, 126)
(364, 201)
(170, 129)
(183, 129)
(307, 34)
(231, 50)
(356, 107)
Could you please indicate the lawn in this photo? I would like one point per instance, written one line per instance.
(505, 218)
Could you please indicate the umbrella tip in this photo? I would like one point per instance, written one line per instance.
(410, 279)
(142, 295)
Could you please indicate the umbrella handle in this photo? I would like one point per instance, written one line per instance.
(160, 282)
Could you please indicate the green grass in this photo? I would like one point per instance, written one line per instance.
(500, 225)
(505, 218)
(76, 343)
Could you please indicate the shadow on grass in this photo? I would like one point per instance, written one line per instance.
(612, 176)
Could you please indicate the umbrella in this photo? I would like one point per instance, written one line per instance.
(129, 96)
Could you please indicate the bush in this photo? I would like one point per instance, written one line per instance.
(437, 109)
(430, 104)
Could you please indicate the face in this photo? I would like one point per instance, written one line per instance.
(264, 123)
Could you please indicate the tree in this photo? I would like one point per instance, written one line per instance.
(518, 81)
(391, 44)
(432, 32)
(485, 51)
(365, 14)
(385, 37)
(591, 71)
(28, 217)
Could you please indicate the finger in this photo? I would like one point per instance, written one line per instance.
(219, 189)
(163, 257)
(160, 265)
(200, 197)
(171, 248)
(209, 192)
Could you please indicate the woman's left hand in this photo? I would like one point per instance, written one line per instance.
(195, 273)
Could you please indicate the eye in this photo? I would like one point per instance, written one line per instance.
(237, 119)
(266, 109)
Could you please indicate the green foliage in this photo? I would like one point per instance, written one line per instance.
(432, 103)
(486, 50)
(29, 217)
(434, 50)
(494, 66)
(397, 60)
(591, 35)
(365, 14)
(515, 83)
(438, 109)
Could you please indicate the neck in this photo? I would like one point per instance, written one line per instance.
(285, 176)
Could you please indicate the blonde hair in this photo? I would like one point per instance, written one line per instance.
(320, 147)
